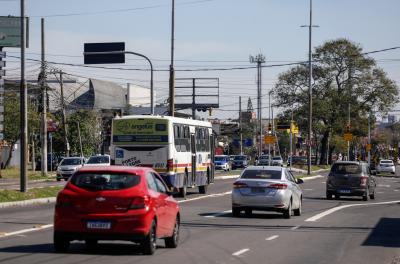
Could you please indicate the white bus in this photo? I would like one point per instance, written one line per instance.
(180, 150)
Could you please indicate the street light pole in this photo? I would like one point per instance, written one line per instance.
(171, 67)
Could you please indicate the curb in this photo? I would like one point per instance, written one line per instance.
(28, 202)
(312, 177)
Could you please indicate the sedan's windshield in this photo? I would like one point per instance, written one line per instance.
(240, 158)
(77, 161)
(262, 174)
(220, 158)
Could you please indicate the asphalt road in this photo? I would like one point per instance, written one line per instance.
(335, 231)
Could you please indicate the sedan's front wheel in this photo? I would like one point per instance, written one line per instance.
(172, 241)
(288, 212)
(297, 212)
(149, 243)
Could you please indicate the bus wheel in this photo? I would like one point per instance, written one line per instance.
(203, 189)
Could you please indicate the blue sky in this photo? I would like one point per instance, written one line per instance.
(209, 34)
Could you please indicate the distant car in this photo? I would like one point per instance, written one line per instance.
(267, 188)
(350, 178)
(239, 161)
(99, 160)
(277, 161)
(116, 203)
(386, 166)
(222, 162)
(263, 160)
(68, 166)
(297, 160)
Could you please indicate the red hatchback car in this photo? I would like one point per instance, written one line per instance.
(116, 203)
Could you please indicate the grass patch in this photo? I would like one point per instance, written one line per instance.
(313, 167)
(14, 173)
(13, 195)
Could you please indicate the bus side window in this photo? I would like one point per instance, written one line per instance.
(177, 135)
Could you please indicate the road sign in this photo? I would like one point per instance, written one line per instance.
(348, 136)
(116, 55)
(2, 54)
(268, 139)
(368, 147)
(10, 31)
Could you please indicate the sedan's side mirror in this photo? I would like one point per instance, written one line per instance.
(299, 181)
(172, 191)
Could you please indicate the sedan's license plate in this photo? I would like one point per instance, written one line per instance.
(344, 191)
(98, 225)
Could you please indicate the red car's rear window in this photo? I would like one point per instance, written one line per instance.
(105, 180)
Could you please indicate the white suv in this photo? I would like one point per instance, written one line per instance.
(386, 166)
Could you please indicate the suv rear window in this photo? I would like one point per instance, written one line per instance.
(262, 174)
(346, 168)
(105, 181)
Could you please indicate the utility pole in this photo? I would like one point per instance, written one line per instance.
(64, 115)
(23, 107)
(348, 142)
(171, 67)
(194, 99)
(80, 138)
(269, 123)
(240, 125)
(291, 140)
(310, 26)
(259, 59)
(369, 139)
(43, 127)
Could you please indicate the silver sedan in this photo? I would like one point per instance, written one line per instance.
(267, 188)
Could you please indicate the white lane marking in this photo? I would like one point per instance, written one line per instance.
(311, 177)
(205, 196)
(240, 252)
(334, 209)
(396, 190)
(271, 238)
(37, 228)
(308, 189)
(227, 177)
(323, 182)
(219, 214)
(294, 228)
(384, 185)
(380, 192)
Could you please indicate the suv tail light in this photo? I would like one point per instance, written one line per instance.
(170, 165)
(363, 181)
(280, 186)
(139, 202)
(238, 185)
(63, 201)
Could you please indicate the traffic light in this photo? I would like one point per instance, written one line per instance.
(269, 127)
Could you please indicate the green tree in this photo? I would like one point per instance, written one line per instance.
(342, 76)
(90, 129)
(12, 119)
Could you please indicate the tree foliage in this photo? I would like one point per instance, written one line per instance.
(342, 76)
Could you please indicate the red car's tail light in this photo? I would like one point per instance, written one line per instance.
(139, 202)
(280, 186)
(363, 181)
(63, 201)
(238, 185)
(170, 164)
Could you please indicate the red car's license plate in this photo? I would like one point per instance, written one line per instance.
(98, 225)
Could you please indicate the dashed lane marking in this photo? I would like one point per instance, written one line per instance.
(295, 227)
(219, 214)
(272, 238)
(334, 209)
(240, 252)
(23, 231)
(205, 196)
